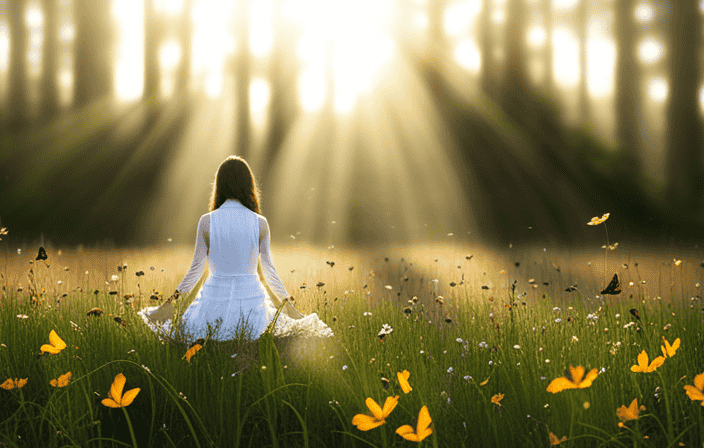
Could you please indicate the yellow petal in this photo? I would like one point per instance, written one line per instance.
(496, 399)
(407, 433)
(10, 384)
(374, 408)
(21, 383)
(560, 384)
(483, 383)
(576, 373)
(116, 388)
(54, 383)
(699, 382)
(642, 363)
(657, 362)
(591, 376)
(192, 351)
(56, 341)
(389, 406)
(628, 413)
(129, 396)
(109, 402)
(365, 422)
(424, 421)
(63, 379)
(49, 349)
(693, 393)
(554, 440)
(403, 381)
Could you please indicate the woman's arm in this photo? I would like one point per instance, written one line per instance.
(266, 267)
(200, 256)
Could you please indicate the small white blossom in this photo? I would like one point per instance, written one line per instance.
(558, 320)
(367, 313)
(517, 347)
(344, 367)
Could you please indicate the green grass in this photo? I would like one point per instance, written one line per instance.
(311, 389)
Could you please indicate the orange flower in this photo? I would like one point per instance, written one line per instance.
(643, 363)
(595, 221)
(496, 399)
(628, 413)
(554, 440)
(573, 380)
(423, 429)
(365, 422)
(115, 398)
(668, 351)
(62, 381)
(403, 381)
(696, 392)
(57, 344)
(192, 351)
(12, 384)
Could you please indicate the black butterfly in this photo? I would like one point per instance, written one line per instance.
(571, 288)
(42, 254)
(635, 313)
(614, 287)
(331, 263)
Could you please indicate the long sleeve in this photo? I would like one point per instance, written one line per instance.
(200, 255)
(270, 275)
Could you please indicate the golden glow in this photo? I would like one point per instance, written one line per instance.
(129, 50)
(34, 18)
(311, 49)
(498, 16)
(536, 36)
(459, 18)
(565, 67)
(259, 95)
(66, 32)
(66, 79)
(4, 47)
(64, 76)
(564, 4)
(468, 56)
(420, 21)
(312, 89)
(213, 42)
(170, 55)
(261, 32)
(657, 89)
(701, 97)
(601, 66)
(644, 12)
(169, 7)
(650, 50)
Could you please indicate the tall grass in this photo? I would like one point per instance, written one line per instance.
(460, 327)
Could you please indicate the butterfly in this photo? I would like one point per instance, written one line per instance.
(41, 255)
(94, 312)
(614, 287)
(635, 313)
(331, 263)
(56, 344)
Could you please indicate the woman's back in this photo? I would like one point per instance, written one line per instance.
(234, 240)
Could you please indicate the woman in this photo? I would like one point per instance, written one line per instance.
(233, 237)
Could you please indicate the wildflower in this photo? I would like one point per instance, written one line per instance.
(365, 422)
(668, 351)
(115, 398)
(57, 344)
(558, 320)
(192, 351)
(643, 363)
(459, 340)
(12, 384)
(22, 316)
(62, 381)
(344, 367)
(423, 429)
(517, 347)
(595, 221)
(367, 313)
(483, 383)
(696, 392)
(554, 440)
(403, 381)
(496, 399)
(628, 413)
(575, 339)
(573, 380)
(3, 231)
(450, 370)
(386, 329)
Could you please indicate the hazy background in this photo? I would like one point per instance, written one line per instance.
(366, 122)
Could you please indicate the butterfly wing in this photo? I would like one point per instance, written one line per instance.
(41, 254)
(614, 287)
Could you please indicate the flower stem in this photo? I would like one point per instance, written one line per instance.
(606, 251)
(129, 425)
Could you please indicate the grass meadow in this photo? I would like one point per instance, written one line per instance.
(481, 333)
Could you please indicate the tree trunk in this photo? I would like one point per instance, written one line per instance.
(515, 71)
(485, 44)
(582, 24)
(184, 37)
(628, 88)
(94, 71)
(684, 170)
(19, 96)
(549, 79)
(50, 52)
(152, 34)
(242, 78)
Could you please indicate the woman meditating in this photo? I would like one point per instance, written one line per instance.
(234, 238)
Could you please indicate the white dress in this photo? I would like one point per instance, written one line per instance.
(233, 239)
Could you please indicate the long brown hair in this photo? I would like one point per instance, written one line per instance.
(234, 180)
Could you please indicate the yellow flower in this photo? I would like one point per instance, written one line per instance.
(365, 422)
(643, 363)
(668, 351)
(422, 429)
(62, 381)
(11, 384)
(628, 413)
(483, 383)
(496, 399)
(115, 398)
(595, 221)
(696, 392)
(192, 351)
(403, 381)
(554, 440)
(57, 344)
(573, 380)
